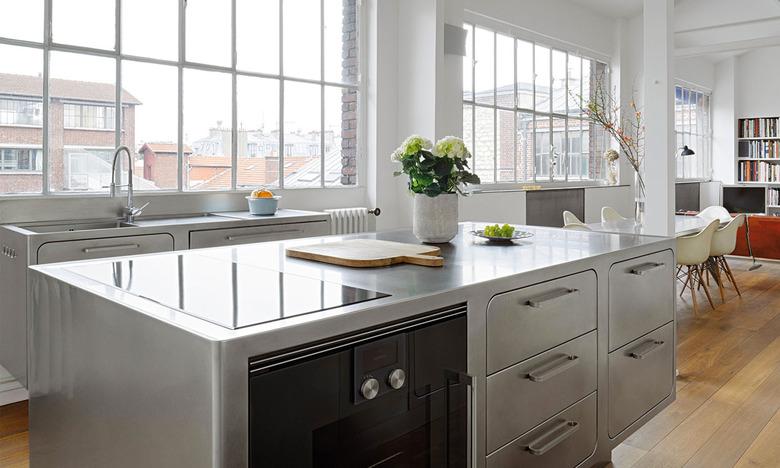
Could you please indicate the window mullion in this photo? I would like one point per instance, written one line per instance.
(281, 95)
(514, 113)
(495, 107)
(533, 113)
(550, 117)
(234, 100)
(322, 93)
(47, 6)
(180, 127)
(118, 93)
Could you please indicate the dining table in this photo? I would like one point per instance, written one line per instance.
(684, 225)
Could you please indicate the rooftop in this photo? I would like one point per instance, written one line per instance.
(32, 86)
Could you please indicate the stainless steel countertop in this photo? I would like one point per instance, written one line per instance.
(469, 262)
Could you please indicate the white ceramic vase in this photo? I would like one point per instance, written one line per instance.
(435, 218)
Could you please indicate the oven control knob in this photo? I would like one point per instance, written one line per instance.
(370, 388)
(396, 379)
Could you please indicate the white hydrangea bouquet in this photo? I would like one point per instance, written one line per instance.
(435, 169)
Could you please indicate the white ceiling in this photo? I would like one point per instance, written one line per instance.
(613, 8)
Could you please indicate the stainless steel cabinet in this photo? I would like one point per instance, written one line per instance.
(66, 251)
(564, 440)
(534, 319)
(248, 235)
(641, 375)
(641, 296)
(524, 395)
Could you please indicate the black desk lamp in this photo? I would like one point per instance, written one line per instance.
(687, 151)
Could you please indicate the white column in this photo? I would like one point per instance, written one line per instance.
(659, 116)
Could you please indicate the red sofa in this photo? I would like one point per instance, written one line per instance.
(764, 237)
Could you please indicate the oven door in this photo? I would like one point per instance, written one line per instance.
(305, 415)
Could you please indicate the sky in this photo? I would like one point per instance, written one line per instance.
(150, 30)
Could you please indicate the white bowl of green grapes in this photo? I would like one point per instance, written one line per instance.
(501, 234)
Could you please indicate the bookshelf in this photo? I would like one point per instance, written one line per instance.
(758, 157)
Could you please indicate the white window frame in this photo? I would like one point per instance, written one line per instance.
(704, 153)
(477, 20)
(48, 45)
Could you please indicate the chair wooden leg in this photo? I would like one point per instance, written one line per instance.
(706, 289)
(691, 281)
(730, 275)
(714, 267)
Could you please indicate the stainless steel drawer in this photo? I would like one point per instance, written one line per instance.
(67, 251)
(522, 396)
(531, 320)
(253, 234)
(641, 296)
(562, 441)
(641, 374)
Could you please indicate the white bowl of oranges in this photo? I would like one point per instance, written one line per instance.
(263, 202)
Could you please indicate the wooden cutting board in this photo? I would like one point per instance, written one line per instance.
(369, 253)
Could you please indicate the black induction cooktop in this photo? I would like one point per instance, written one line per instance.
(224, 292)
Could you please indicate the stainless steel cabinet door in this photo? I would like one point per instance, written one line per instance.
(531, 320)
(641, 374)
(526, 394)
(562, 441)
(641, 297)
(67, 251)
(254, 234)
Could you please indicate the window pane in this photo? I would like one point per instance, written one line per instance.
(208, 31)
(589, 79)
(341, 41)
(577, 164)
(22, 20)
(21, 136)
(484, 69)
(558, 157)
(525, 146)
(575, 82)
(151, 35)
(302, 39)
(506, 146)
(258, 132)
(468, 127)
(81, 121)
(207, 130)
(525, 74)
(468, 62)
(559, 81)
(542, 148)
(484, 154)
(257, 35)
(341, 139)
(302, 130)
(70, 24)
(153, 105)
(505, 71)
(542, 73)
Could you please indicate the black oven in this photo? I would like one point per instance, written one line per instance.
(397, 397)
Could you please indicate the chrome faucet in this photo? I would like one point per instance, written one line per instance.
(129, 211)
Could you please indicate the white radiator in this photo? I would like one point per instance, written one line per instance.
(349, 220)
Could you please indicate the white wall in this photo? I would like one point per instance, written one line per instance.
(724, 121)
(696, 71)
(757, 94)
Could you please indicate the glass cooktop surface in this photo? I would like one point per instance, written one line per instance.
(227, 293)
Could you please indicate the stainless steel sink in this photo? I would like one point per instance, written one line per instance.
(77, 227)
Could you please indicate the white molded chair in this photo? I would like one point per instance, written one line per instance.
(571, 218)
(577, 227)
(693, 252)
(724, 241)
(714, 212)
(610, 214)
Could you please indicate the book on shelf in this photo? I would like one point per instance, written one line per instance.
(766, 127)
(759, 149)
(758, 171)
(773, 196)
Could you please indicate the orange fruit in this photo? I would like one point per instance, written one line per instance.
(262, 193)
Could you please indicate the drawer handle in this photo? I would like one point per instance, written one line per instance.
(641, 270)
(643, 350)
(259, 234)
(548, 371)
(559, 433)
(110, 248)
(551, 297)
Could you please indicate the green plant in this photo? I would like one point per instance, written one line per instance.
(435, 169)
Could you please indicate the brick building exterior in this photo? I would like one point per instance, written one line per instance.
(81, 133)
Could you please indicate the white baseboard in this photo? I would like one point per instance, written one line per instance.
(12, 392)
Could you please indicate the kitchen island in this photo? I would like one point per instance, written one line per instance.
(568, 347)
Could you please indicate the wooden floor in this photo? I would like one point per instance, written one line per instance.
(727, 411)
